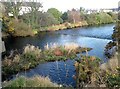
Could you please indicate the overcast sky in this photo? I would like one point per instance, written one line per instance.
(64, 5)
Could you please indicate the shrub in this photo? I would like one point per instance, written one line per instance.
(46, 19)
(7, 25)
(98, 18)
(22, 29)
(113, 80)
(87, 69)
(111, 72)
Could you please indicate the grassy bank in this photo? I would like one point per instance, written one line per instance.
(66, 25)
(15, 28)
(32, 56)
(36, 81)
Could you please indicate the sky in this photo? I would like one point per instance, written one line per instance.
(64, 5)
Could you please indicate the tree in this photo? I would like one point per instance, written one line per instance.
(73, 16)
(82, 14)
(91, 19)
(65, 16)
(56, 13)
(47, 19)
(113, 15)
(82, 10)
(13, 7)
(34, 9)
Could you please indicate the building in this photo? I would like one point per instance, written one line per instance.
(114, 10)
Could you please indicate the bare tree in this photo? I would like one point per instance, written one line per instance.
(73, 16)
(13, 7)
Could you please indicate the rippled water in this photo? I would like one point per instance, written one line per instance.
(62, 72)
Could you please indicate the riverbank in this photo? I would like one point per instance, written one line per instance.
(63, 26)
(72, 25)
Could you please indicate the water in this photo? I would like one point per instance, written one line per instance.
(62, 72)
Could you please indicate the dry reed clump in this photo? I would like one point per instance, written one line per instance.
(51, 46)
(111, 65)
(6, 62)
(67, 46)
(59, 50)
(32, 49)
(35, 81)
(42, 82)
(9, 61)
(16, 58)
(71, 46)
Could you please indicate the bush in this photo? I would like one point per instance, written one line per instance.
(113, 80)
(87, 69)
(98, 18)
(46, 19)
(22, 29)
(7, 25)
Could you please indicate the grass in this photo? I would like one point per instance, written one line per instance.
(32, 56)
(111, 65)
(35, 81)
(110, 72)
(72, 46)
(69, 47)
(66, 25)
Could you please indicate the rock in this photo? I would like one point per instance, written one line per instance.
(2, 47)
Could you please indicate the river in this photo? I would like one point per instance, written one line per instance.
(61, 72)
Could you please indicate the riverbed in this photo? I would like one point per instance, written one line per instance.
(61, 72)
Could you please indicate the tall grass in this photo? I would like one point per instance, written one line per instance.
(71, 46)
(67, 46)
(36, 81)
(111, 65)
(32, 49)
